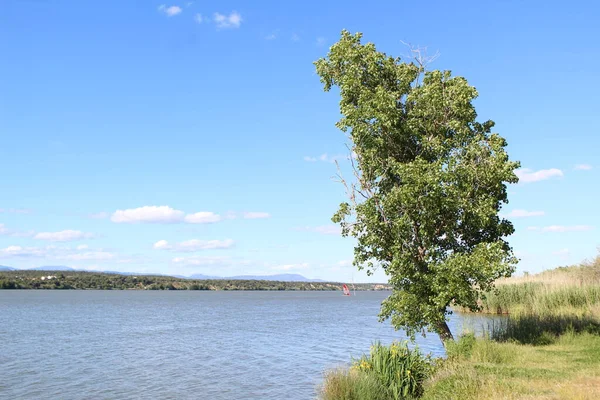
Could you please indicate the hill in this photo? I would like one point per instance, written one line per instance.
(70, 279)
(53, 268)
(276, 277)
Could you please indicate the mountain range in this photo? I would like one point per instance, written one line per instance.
(276, 277)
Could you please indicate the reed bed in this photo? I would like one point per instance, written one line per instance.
(573, 290)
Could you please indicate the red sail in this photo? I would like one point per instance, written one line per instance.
(346, 290)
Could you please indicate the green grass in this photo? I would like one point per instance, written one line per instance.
(569, 368)
(394, 372)
(573, 290)
(543, 329)
(482, 368)
(547, 348)
(541, 298)
(352, 385)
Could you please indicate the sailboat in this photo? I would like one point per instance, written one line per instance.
(346, 290)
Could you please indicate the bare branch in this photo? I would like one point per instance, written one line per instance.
(420, 57)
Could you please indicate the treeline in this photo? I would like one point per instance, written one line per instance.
(105, 281)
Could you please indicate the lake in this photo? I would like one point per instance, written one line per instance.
(186, 344)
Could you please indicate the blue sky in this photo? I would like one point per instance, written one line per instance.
(194, 137)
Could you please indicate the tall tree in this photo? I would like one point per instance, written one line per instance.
(430, 182)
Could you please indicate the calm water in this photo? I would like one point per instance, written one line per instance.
(184, 345)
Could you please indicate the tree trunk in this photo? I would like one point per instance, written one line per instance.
(443, 331)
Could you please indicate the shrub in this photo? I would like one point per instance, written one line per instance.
(463, 347)
(399, 369)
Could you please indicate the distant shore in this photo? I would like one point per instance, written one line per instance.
(65, 280)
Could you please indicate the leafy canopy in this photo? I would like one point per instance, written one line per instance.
(430, 181)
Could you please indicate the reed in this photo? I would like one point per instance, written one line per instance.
(543, 329)
(389, 372)
(573, 290)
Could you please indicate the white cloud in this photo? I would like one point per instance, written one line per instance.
(89, 255)
(161, 244)
(208, 261)
(82, 247)
(291, 267)
(256, 215)
(53, 252)
(202, 217)
(561, 228)
(527, 175)
(323, 229)
(170, 11)
(63, 236)
(18, 251)
(230, 215)
(524, 213)
(583, 167)
(573, 228)
(198, 18)
(22, 233)
(233, 20)
(272, 36)
(194, 245)
(166, 215)
(9, 232)
(320, 41)
(150, 214)
(326, 158)
(295, 37)
(100, 215)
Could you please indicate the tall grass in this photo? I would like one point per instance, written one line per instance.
(343, 384)
(573, 290)
(397, 367)
(542, 329)
(541, 298)
(394, 372)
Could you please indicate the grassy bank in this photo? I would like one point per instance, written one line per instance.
(564, 366)
(547, 348)
(568, 368)
(573, 290)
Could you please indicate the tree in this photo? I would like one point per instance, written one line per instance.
(430, 182)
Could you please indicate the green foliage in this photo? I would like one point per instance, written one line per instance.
(463, 347)
(31, 279)
(543, 329)
(390, 373)
(352, 385)
(401, 370)
(430, 183)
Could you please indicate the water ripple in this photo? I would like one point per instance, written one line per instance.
(183, 345)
